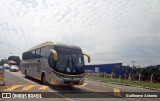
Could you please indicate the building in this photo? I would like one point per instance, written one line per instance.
(12, 62)
(106, 68)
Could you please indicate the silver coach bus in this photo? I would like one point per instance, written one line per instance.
(55, 63)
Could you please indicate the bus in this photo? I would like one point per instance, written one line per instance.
(55, 63)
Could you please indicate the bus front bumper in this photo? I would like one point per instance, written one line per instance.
(70, 80)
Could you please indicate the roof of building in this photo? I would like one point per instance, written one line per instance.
(103, 64)
(11, 62)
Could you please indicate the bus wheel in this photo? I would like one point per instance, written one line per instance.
(43, 79)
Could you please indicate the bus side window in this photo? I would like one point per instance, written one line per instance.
(33, 54)
(43, 52)
(24, 56)
(37, 55)
(28, 55)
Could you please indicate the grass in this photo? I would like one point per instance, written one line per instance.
(126, 82)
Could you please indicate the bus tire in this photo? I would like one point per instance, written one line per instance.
(43, 79)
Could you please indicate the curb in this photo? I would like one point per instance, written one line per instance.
(127, 85)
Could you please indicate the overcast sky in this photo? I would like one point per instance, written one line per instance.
(110, 31)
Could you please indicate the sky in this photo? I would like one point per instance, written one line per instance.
(110, 31)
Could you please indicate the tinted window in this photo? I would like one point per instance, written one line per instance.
(33, 54)
(29, 55)
(24, 56)
(43, 52)
(67, 50)
(37, 54)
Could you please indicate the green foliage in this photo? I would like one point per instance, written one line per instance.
(145, 72)
(128, 69)
(3, 61)
(138, 70)
(157, 73)
(148, 71)
(15, 58)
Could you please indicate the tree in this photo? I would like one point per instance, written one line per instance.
(146, 72)
(115, 70)
(149, 70)
(138, 70)
(3, 61)
(128, 69)
(15, 58)
(156, 72)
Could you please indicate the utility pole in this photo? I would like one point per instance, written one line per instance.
(134, 69)
(133, 63)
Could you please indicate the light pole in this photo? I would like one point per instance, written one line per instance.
(133, 63)
(134, 69)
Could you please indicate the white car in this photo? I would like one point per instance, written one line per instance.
(13, 68)
(6, 66)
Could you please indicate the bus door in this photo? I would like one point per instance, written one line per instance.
(40, 63)
(37, 66)
(37, 69)
(33, 63)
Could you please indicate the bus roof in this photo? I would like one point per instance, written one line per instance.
(52, 43)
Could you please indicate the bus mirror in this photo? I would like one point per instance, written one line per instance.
(89, 58)
(55, 55)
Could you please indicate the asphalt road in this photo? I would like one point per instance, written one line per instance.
(16, 82)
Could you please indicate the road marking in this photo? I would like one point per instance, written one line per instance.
(81, 85)
(12, 88)
(84, 85)
(43, 87)
(61, 95)
(28, 87)
(108, 94)
(117, 92)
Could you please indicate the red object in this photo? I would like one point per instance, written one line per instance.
(19, 68)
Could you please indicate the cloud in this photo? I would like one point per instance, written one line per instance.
(111, 31)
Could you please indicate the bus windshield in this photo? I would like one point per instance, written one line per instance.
(70, 62)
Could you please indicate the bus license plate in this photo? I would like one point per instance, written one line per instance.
(76, 79)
